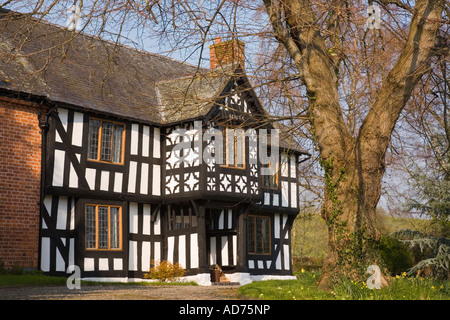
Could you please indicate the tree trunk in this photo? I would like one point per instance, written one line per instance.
(354, 166)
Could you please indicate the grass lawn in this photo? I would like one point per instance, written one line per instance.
(30, 279)
(305, 288)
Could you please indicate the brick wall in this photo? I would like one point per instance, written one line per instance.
(20, 168)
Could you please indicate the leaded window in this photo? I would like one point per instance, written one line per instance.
(106, 140)
(103, 227)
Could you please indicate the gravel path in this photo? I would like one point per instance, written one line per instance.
(117, 292)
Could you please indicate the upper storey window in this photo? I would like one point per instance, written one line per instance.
(106, 140)
(235, 148)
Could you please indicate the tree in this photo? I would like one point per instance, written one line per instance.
(347, 85)
(353, 163)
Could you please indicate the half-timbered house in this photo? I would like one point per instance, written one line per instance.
(130, 165)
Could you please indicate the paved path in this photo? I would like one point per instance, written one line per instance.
(119, 292)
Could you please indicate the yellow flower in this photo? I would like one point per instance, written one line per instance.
(302, 271)
(432, 287)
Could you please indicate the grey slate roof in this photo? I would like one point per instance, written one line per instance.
(101, 76)
(84, 71)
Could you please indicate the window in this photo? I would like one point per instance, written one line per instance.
(258, 234)
(181, 217)
(106, 141)
(235, 148)
(103, 227)
(270, 181)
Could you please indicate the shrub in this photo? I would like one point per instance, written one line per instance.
(396, 255)
(164, 271)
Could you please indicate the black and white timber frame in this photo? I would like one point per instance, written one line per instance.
(148, 183)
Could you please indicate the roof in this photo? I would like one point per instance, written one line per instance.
(82, 70)
(86, 72)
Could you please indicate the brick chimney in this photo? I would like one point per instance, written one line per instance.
(227, 52)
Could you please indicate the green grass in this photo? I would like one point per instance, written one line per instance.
(30, 279)
(305, 288)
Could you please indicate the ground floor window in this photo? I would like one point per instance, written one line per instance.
(258, 234)
(181, 216)
(103, 227)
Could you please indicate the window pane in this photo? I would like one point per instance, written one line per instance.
(103, 227)
(90, 227)
(114, 227)
(117, 143)
(251, 234)
(94, 126)
(106, 147)
(266, 235)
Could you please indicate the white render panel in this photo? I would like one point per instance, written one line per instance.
(156, 181)
(278, 261)
(276, 200)
(285, 218)
(61, 220)
(63, 116)
(221, 220)
(144, 178)
(292, 165)
(158, 251)
(182, 250)
(104, 181)
(157, 224)
(224, 251)
(234, 249)
(146, 141)
(58, 168)
(133, 256)
(194, 250)
(89, 264)
(103, 264)
(118, 264)
(146, 251)
(72, 215)
(132, 177)
(71, 251)
(118, 179)
(77, 133)
(212, 255)
(90, 177)
(73, 177)
(146, 219)
(284, 193)
(294, 195)
(170, 248)
(133, 217)
(45, 254)
(156, 143)
(266, 198)
(134, 138)
(276, 227)
(286, 255)
(284, 165)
